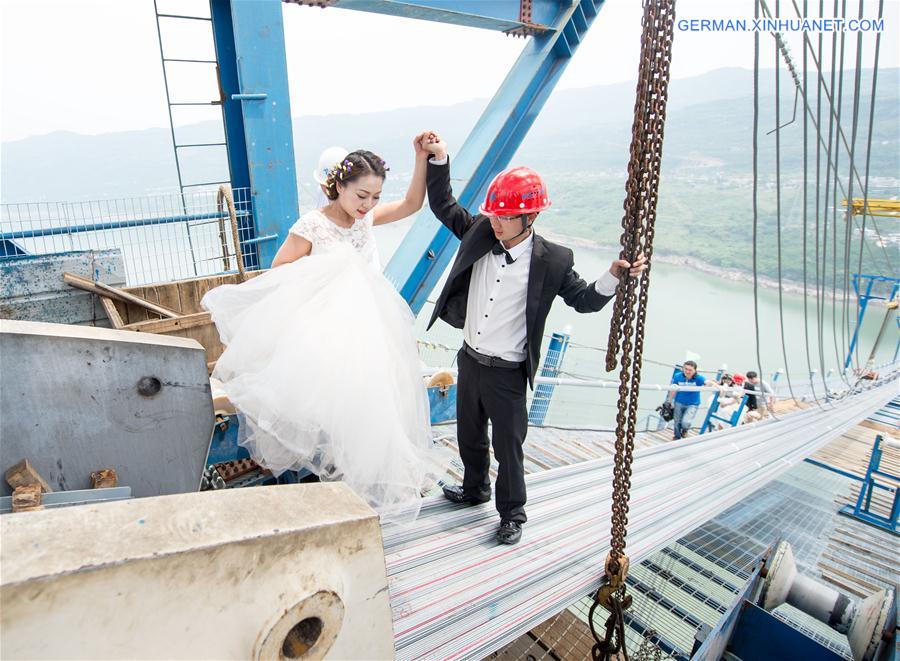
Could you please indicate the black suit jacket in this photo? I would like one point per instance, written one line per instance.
(551, 273)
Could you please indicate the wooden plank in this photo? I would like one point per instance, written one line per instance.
(605, 447)
(565, 636)
(102, 289)
(535, 460)
(880, 428)
(585, 449)
(864, 555)
(849, 577)
(27, 498)
(109, 306)
(187, 293)
(872, 541)
(522, 647)
(572, 448)
(104, 479)
(168, 296)
(543, 450)
(208, 337)
(206, 284)
(141, 312)
(166, 326)
(844, 585)
(856, 567)
(23, 474)
(123, 309)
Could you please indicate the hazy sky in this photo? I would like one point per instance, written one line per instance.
(93, 66)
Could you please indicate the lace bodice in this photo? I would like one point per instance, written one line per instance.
(325, 235)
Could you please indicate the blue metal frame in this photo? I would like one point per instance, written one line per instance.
(442, 403)
(232, 116)
(249, 38)
(115, 224)
(760, 636)
(862, 509)
(553, 360)
(750, 633)
(9, 248)
(502, 15)
(864, 302)
(714, 642)
(224, 443)
(428, 247)
(732, 420)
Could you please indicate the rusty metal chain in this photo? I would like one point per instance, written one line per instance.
(626, 338)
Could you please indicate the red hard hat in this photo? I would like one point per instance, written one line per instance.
(516, 191)
(738, 379)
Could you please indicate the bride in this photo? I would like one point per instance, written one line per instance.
(321, 359)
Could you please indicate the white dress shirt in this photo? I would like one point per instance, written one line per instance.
(495, 311)
(498, 292)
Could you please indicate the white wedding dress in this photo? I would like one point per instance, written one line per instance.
(322, 366)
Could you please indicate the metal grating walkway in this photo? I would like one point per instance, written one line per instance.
(456, 594)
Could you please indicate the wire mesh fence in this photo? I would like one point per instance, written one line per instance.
(166, 236)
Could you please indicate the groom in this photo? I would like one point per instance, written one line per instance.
(499, 291)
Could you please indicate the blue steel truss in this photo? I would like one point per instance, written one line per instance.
(249, 38)
(250, 50)
(428, 247)
(502, 15)
(867, 280)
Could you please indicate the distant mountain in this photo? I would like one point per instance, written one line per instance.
(580, 141)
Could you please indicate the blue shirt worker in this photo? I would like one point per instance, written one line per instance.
(686, 403)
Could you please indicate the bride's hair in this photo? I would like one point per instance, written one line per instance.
(356, 164)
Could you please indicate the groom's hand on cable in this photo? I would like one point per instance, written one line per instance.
(619, 266)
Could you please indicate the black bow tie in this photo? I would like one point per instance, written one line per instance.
(498, 249)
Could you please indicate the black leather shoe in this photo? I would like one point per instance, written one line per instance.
(509, 532)
(456, 494)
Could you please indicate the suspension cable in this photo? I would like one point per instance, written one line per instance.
(868, 158)
(817, 61)
(834, 201)
(778, 205)
(820, 276)
(848, 240)
(840, 133)
(756, 189)
(809, 368)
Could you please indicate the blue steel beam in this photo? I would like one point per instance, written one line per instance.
(863, 300)
(428, 247)
(502, 15)
(249, 38)
(115, 225)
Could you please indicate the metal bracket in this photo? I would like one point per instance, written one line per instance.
(527, 29)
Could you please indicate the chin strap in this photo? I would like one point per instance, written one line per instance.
(526, 226)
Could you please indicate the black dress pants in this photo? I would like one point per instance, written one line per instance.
(497, 394)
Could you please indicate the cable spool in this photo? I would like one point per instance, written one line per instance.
(866, 623)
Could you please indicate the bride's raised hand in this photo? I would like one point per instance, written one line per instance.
(420, 142)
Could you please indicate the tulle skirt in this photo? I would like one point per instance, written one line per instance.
(322, 365)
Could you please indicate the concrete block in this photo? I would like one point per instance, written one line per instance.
(214, 575)
(75, 400)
